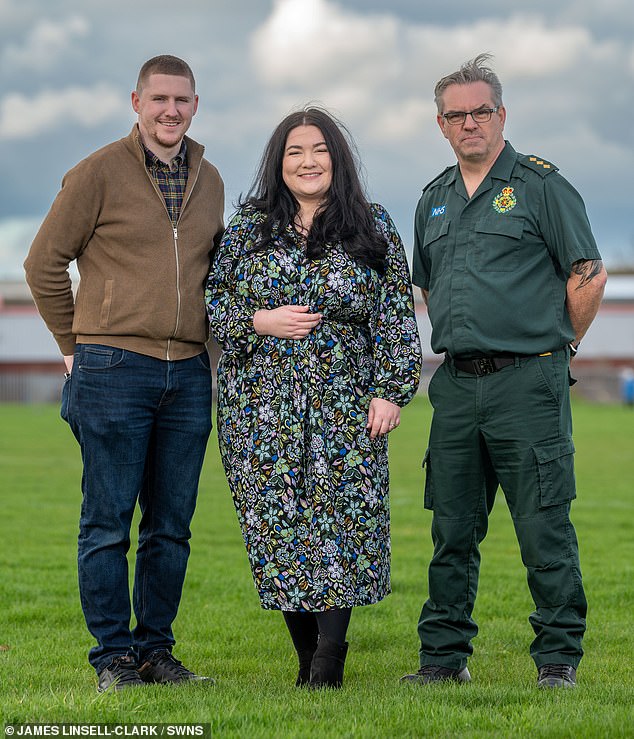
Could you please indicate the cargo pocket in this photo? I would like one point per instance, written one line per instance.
(555, 469)
(429, 487)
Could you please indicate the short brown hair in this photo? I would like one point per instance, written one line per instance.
(165, 64)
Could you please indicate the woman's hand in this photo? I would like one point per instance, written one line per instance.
(383, 417)
(285, 322)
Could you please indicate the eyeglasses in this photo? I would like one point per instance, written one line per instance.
(481, 115)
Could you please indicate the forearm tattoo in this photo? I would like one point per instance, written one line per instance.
(587, 269)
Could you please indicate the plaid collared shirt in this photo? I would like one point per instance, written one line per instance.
(171, 180)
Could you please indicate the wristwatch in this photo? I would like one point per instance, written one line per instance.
(573, 349)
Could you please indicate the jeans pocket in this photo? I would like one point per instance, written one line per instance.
(65, 401)
(555, 471)
(98, 357)
(204, 360)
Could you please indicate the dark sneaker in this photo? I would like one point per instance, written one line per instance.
(161, 667)
(556, 676)
(120, 674)
(437, 674)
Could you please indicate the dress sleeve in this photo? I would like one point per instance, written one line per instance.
(397, 352)
(230, 313)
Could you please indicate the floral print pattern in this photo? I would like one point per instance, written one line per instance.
(310, 487)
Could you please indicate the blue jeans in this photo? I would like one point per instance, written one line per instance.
(143, 425)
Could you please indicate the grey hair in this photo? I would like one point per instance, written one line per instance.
(475, 70)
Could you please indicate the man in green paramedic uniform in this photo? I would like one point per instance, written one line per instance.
(512, 278)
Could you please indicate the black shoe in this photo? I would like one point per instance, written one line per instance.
(120, 674)
(437, 674)
(556, 676)
(326, 670)
(161, 667)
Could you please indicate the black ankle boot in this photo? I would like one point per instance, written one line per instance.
(302, 627)
(326, 670)
(305, 660)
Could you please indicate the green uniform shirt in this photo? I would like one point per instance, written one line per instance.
(496, 265)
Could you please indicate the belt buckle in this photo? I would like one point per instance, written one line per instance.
(484, 366)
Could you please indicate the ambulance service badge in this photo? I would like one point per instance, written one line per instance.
(505, 201)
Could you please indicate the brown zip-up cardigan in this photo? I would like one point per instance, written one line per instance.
(141, 280)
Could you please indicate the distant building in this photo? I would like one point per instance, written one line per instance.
(31, 368)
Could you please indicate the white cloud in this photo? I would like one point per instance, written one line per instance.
(404, 120)
(312, 41)
(567, 70)
(23, 117)
(381, 70)
(377, 72)
(8, 11)
(45, 43)
(317, 42)
(16, 235)
(524, 46)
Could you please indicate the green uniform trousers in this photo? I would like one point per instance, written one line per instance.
(512, 428)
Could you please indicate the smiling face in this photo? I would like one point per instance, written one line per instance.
(306, 166)
(165, 106)
(473, 142)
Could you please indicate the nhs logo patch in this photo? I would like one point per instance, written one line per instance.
(439, 210)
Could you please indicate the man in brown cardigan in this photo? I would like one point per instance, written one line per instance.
(140, 217)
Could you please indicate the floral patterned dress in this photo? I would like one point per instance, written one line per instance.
(309, 485)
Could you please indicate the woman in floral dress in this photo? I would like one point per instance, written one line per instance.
(310, 297)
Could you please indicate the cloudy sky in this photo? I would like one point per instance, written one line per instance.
(67, 68)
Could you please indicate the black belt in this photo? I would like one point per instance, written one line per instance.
(482, 365)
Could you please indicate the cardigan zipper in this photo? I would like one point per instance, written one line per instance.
(177, 256)
(178, 288)
(175, 236)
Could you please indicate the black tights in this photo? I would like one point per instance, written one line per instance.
(305, 627)
(334, 624)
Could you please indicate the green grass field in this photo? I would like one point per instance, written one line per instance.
(221, 630)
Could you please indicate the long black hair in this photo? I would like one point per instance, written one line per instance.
(345, 214)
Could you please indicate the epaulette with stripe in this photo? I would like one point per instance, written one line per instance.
(541, 166)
